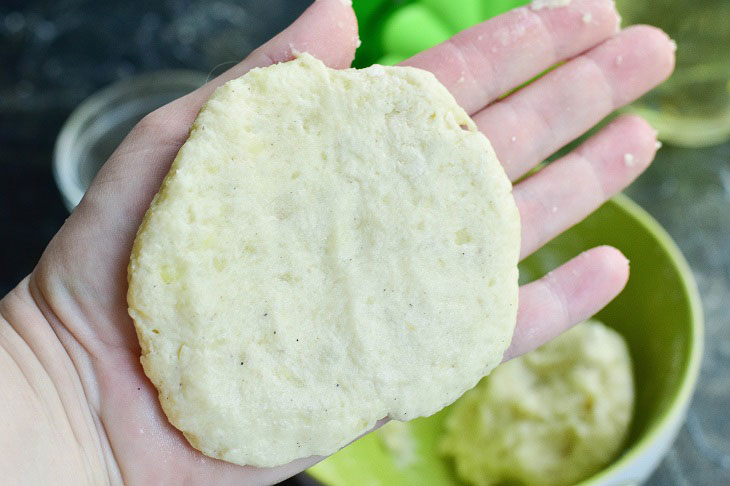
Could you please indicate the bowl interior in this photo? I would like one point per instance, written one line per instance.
(658, 314)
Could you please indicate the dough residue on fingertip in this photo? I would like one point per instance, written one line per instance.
(629, 160)
(549, 4)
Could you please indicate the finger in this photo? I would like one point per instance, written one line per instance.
(484, 62)
(327, 30)
(566, 296)
(569, 189)
(534, 122)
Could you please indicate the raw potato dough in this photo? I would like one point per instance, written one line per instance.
(551, 417)
(397, 439)
(328, 248)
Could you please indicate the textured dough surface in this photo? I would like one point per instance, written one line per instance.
(328, 248)
(551, 417)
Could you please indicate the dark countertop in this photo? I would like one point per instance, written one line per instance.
(56, 53)
(688, 192)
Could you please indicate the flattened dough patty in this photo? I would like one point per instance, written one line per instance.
(329, 247)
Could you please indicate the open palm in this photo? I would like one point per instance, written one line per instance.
(80, 284)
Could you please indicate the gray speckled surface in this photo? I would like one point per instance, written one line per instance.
(688, 192)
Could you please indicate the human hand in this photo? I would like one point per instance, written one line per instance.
(72, 311)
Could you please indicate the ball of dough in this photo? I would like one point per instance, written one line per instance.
(551, 417)
(330, 247)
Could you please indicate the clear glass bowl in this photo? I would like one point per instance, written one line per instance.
(99, 124)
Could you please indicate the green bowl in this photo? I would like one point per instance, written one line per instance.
(659, 315)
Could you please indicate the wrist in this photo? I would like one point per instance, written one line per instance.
(52, 435)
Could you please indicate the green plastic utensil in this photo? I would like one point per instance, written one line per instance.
(394, 30)
(658, 313)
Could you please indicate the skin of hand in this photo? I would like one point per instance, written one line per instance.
(77, 406)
